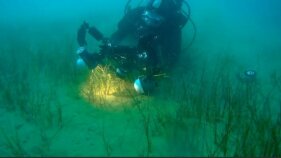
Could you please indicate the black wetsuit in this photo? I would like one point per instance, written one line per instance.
(161, 42)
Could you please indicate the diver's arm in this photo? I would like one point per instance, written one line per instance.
(94, 32)
(124, 50)
(81, 34)
(90, 59)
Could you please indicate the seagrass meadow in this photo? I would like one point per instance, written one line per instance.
(51, 107)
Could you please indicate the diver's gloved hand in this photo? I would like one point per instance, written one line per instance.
(81, 34)
(80, 50)
(80, 62)
(89, 59)
(144, 85)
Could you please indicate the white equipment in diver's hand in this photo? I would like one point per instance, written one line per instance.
(138, 86)
(80, 62)
(144, 85)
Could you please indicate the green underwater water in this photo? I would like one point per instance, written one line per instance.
(203, 109)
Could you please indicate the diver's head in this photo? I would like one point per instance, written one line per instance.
(168, 9)
(165, 4)
(152, 18)
(154, 4)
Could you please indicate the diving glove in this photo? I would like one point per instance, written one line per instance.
(90, 59)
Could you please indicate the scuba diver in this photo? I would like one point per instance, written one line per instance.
(247, 76)
(156, 30)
